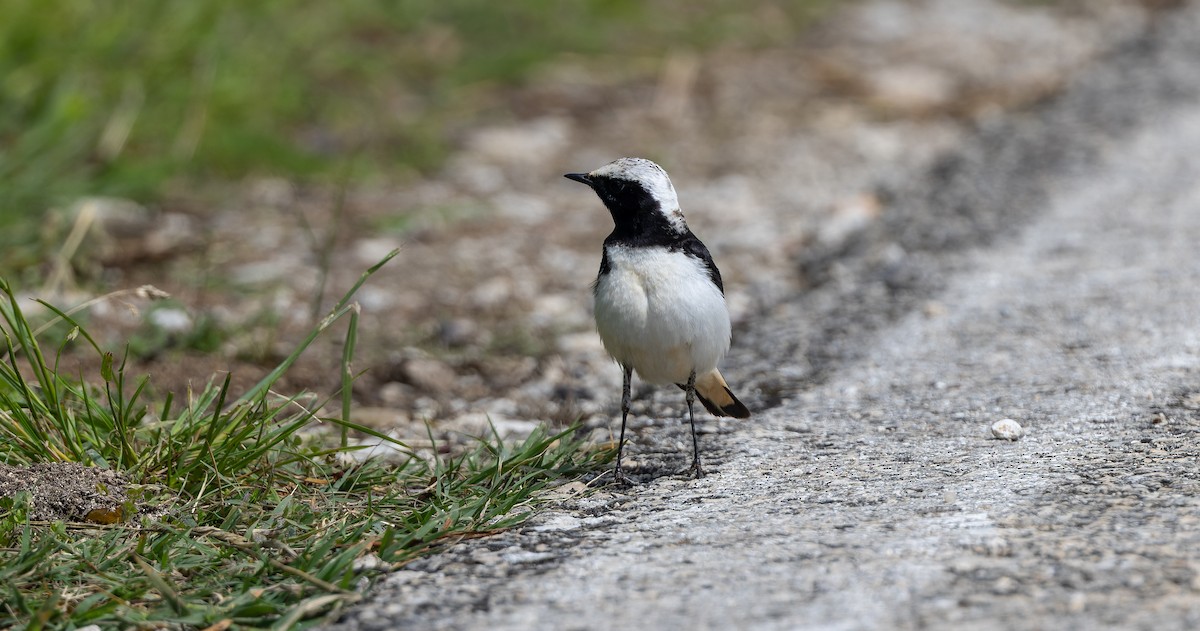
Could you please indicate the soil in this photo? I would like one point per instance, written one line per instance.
(67, 491)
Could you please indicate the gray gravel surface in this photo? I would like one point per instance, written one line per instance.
(1046, 273)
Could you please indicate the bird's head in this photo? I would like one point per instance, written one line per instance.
(637, 192)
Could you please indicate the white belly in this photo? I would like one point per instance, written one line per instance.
(659, 312)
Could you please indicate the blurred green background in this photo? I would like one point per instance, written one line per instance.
(134, 97)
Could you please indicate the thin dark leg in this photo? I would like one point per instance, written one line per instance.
(617, 475)
(690, 395)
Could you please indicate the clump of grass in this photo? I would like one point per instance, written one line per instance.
(255, 525)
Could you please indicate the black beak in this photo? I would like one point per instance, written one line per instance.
(579, 177)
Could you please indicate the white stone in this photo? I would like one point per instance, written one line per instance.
(171, 320)
(556, 522)
(1007, 429)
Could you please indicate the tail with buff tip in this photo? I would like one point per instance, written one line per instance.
(716, 396)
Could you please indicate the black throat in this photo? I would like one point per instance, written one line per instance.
(637, 215)
(639, 222)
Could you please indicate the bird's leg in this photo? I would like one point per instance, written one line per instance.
(617, 475)
(690, 395)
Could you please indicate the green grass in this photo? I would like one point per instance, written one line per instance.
(257, 522)
(120, 97)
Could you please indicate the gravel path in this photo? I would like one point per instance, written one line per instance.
(1047, 274)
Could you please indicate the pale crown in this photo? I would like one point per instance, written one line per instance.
(653, 179)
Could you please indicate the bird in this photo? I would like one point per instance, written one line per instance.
(659, 299)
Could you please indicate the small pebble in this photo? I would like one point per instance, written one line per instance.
(1007, 429)
(171, 320)
(1005, 585)
(369, 562)
(552, 522)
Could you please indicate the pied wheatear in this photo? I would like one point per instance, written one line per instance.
(660, 304)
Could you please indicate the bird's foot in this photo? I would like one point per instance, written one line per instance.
(620, 479)
(696, 471)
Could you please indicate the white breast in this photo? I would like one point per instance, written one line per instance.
(659, 312)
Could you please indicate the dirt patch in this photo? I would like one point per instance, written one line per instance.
(67, 491)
